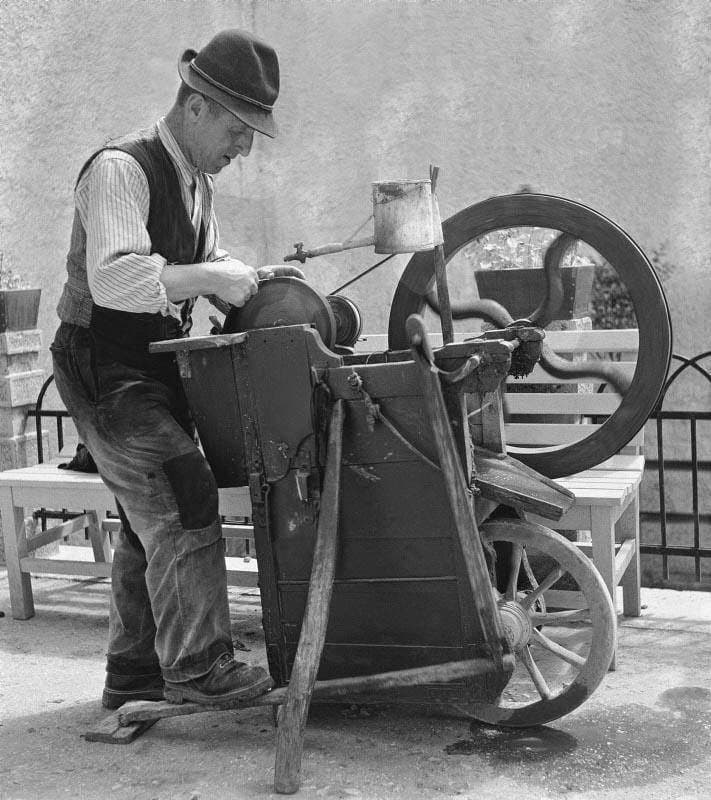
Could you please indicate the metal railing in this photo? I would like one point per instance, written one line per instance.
(695, 519)
(39, 414)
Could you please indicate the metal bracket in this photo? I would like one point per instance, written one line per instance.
(182, 358)
(256, 488)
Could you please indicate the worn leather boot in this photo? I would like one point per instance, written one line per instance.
(120, 689)
(227, 680)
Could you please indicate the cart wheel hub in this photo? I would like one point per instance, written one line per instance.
(516, 624)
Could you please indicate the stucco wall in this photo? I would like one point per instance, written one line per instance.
(604, 102)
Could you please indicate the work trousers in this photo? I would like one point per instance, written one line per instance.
(169, 608)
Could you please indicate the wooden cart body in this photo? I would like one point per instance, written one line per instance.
(403, 595)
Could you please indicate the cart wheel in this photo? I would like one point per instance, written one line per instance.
(563, 647)
(591, 229)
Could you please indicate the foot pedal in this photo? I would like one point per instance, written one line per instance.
(110, 730)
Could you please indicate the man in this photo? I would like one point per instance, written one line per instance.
(144, 245)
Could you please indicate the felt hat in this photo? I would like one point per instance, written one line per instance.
(240, 72)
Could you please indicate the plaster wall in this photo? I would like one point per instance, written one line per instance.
(603, 102)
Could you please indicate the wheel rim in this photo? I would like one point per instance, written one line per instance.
(616, 247)
(559, 666)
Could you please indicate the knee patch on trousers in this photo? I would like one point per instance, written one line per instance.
(195, 489)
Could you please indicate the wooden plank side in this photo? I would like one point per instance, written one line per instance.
(402, 502)
(400, 557)
(59, 495)
(56, 566)
(403, 434)
(58, 532)
(46, 486)
(614, 341)
(520, 434)
(378, 380)
(542, 435)
(625, 462)
(413, 612)
(243, 577)
(234, 501)
(346, 660)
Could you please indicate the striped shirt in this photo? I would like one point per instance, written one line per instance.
(112, 199)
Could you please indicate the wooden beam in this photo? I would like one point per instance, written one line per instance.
(458, 495)
(322, 690)
(292, 718)
(58, 532)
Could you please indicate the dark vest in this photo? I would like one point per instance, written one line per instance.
(122, 335)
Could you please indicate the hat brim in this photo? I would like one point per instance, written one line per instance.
(258, 118)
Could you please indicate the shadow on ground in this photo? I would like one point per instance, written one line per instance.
(643, 734)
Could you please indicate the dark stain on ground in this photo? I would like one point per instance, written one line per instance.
(630, 745)
(529, 744)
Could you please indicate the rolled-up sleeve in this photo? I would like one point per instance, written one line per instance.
(113, 200)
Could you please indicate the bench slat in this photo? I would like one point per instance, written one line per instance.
(627, 462)
(549, 434)
(47, 486)
(607, 341)
(583, 403)
(521, 433)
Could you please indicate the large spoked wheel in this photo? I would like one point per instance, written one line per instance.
(558, 618)
(632, 267)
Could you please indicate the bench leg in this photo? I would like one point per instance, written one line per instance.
(13, 530)
(99, 538)
(628, 528)
(602, 534)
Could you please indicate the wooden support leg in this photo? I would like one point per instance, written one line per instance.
(293, 714)
(459, 496)
(13, 530)
(628, 528)
(602, 533)
(99, 538)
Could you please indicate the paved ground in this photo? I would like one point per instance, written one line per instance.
(645, 733)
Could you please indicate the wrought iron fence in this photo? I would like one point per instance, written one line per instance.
(684, 534)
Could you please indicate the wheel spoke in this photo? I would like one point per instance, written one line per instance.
(560, 617)
(556, 670)
(558, 650)
(543, 586)
(538, 680)
(516, 554)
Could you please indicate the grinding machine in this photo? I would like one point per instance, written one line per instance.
(395, 560)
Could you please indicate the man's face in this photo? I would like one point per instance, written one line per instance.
(219, 137)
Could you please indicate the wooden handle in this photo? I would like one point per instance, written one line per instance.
(292, 717)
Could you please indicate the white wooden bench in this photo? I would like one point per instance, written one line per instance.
(606, 510)
(23, 491)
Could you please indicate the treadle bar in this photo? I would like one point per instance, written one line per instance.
(459, 497)
(445, 672)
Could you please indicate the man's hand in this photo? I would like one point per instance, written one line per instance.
(233, 281)
(279, 271)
